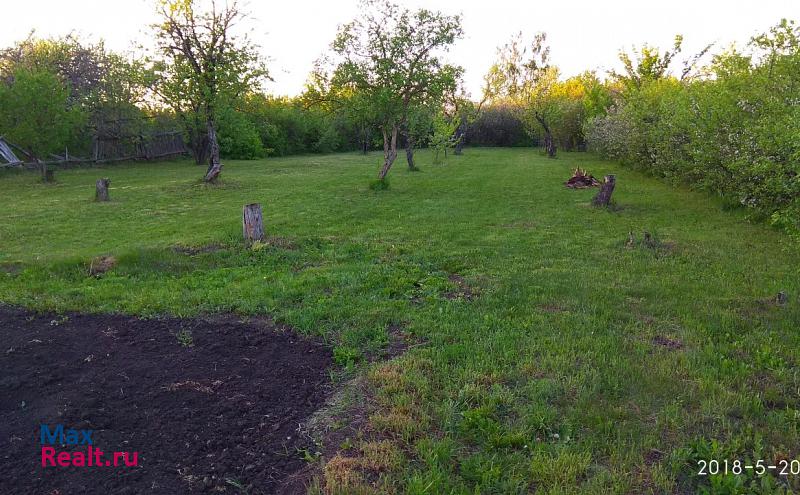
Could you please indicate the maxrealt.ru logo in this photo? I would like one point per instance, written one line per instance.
(88, 456)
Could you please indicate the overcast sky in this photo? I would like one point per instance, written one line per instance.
(583, 34)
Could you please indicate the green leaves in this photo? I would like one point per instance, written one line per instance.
(734, 134)
(390, 58)
(35, 112)
(95, 86)
(648, 64)
(201, 63)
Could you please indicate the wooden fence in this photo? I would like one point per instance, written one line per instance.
(105, 148)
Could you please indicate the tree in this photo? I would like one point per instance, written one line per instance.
(647, 64)
(570, 103)
(524, 76)
(81, 67)
(417, 129)
(465, 112)
(358, 110)
(35, 113)
(204, 67)
(348, 103)
(444, 132)
(391, 56)
(104, 86)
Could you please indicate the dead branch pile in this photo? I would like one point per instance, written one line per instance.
(581, 179)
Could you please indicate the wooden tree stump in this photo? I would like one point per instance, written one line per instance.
(48, 174)
(649, 241)
(252, 223)
(603, 198)
(410, 154)
(101, 189)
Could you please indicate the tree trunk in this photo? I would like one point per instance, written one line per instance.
(389, 152)
(461, 134)
(436, 160)
(101, 190)
(603, 197)
(252, 223)
(410, 154)
(459, 147)
(199, 145)
(364, 140)
(48, 174)
(549, 143)
(214, 166)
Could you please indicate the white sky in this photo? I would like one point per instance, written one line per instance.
(583, 34)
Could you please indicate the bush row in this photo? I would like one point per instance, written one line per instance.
(735, 131)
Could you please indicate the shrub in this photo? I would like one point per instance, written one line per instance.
(497, 125)
(736, 134)
(238, 137)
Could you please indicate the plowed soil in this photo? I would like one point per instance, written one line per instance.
(209, 405)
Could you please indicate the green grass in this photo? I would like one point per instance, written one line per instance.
(553, 378)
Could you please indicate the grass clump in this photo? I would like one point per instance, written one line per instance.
(379, 184)
(184, 337)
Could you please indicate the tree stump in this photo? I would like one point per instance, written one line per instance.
(458, 148)
(603, 198)
(48, 174)
(410, 154)
(101, 189)
(649, 241)
(252, 223)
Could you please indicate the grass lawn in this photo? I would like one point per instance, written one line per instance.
(545, 354)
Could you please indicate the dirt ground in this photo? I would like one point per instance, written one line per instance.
(209, 405)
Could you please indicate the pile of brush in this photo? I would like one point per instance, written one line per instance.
(581, 179)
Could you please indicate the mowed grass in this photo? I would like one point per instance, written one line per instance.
(548, 356)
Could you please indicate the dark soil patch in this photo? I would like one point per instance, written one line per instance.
(653, 456)
(206, 414)
(462, 291)
(101, 265)
(399, 341)
(667, 342)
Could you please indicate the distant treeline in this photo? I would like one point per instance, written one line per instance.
(87, 91)
(727, 122)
